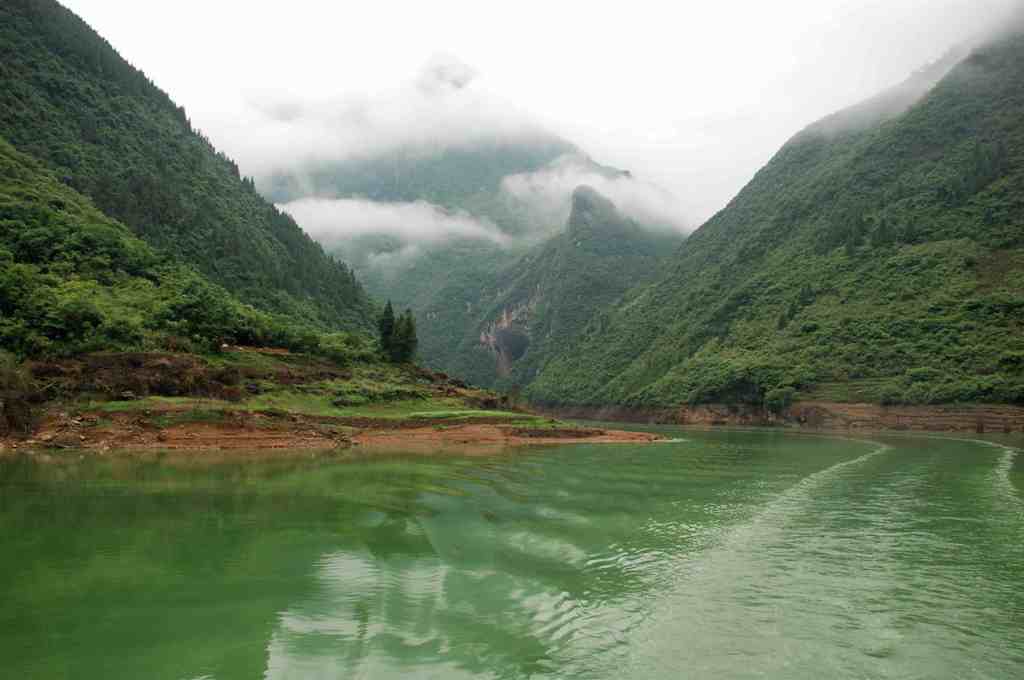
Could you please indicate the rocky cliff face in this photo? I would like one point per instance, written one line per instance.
(555, 290)
(508, 336)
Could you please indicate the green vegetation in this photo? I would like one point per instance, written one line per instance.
(17, 389)
(398, 339)
(73, 280)
(68, 99)
(180, 389)
(779, 399)
(530, 310)
(448, 284)
(879, 256)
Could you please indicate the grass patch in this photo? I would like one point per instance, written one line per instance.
(858, 391)
(192, 416)
(150, 404)
(452, 414)
(543, 423)
(314, 404)
(373, 391)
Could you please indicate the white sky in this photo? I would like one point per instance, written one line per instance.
(695, 96)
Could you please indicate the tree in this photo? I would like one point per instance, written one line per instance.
(386, 327)
(15, 391)
(908, 232)
(854, 234)
(410, 343)
(779, 399)
(883, 234)
(404, 341)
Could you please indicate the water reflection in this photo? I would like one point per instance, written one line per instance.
(726, 555)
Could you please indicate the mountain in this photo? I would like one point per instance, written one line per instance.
(527, 311)
(68, 99)
(458, 178)
(879, 256)
(469, 182)
(73, 280)
(517, 194)
(426, 276)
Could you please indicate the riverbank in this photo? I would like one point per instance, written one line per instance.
(261, 431)
(247, 400)
(824, 416)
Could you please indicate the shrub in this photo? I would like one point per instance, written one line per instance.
(779, 399)
(345, 349)
(16, 391)
(924, 375)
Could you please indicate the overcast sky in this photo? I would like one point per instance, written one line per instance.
(695, 96)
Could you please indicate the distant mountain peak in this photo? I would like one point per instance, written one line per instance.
(593, 212)
(890, 103)
(586, 197)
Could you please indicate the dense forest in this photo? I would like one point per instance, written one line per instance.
(68, 99)
(73, 280)
(878, 257)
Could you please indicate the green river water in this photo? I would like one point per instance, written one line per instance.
(719, 555)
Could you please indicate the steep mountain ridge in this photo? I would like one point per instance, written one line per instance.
(73, 280)
(447, 281)
(536, 305)
(67, 98)
(877, 261)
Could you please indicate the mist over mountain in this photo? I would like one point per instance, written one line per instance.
(876, 258)
(519, 316)
(436, 155)
(431, 189)
(492, 227)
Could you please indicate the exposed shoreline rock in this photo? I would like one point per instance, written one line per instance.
(819, 415)
(246, 432)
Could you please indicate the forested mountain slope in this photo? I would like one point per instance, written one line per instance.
(73, 280)
(67, 98)
(445, 281)
(531, 309)
(879, 256)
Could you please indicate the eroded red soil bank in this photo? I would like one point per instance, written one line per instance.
(821, 415)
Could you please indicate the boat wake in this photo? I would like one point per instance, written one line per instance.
(1006, 492)
(1001, 480)
(747, 568)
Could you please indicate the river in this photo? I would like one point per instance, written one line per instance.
(715, 555)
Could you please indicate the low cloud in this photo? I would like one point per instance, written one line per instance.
(393, 260)
(438, 109)
(441, 108)
(444, 74)
(548, 193)
(333, 222)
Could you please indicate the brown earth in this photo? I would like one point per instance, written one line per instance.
(260, 431)
(491, 435)
(139, 431)
(133, 375)
(976, 418)
(823, 415)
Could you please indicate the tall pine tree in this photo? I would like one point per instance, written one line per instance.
(410, 343)
(386, 327)
(404, 341)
